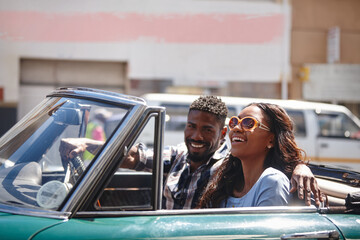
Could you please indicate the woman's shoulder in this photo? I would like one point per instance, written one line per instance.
(271, 174)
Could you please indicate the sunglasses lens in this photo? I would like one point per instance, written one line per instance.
(247, 123)
(233, 122)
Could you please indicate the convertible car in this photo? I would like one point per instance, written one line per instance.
(46, 194)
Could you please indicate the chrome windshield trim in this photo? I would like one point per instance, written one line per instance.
(96, 94)
(34, 212)
(158, 150)
(243, 210)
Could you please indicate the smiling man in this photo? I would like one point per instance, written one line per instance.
(193, 165)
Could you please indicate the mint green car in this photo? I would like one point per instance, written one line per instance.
(47, 193)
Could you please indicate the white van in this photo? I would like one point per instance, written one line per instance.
(328, 133)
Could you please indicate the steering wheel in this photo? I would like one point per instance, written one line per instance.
(74, 169)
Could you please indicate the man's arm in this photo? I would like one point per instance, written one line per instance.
(137, 158)
(140, 158)
(70, 147)
(305, 182)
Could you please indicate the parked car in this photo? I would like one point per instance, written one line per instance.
(46, 195)
(329, 133)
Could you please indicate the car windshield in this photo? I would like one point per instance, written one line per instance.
(35, 171)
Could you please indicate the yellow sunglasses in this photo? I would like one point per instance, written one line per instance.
(247, 123)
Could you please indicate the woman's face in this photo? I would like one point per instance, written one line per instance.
(251, 144)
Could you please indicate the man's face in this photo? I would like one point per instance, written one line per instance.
(203, 135)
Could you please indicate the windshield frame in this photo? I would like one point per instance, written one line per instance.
(132, 105)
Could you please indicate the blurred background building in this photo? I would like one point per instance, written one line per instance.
(300, 49)
(325, 52)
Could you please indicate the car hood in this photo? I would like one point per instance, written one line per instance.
(25, 227)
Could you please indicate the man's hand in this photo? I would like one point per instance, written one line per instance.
(70, 147)
(132, 158)
(304, 182)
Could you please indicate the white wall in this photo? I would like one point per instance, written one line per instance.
(192, 42)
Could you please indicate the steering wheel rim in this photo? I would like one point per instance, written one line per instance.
(74, 169)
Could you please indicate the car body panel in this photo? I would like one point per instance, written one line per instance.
(349, 225)
(214, 226)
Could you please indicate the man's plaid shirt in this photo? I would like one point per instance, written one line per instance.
(182, 189)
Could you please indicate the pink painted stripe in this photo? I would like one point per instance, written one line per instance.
(128, 27)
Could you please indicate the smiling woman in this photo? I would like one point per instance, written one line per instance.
(263, 152)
